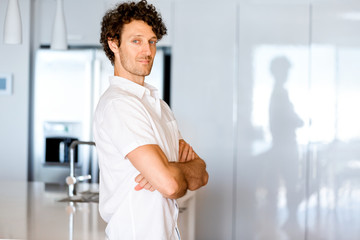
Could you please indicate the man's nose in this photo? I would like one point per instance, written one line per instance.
(146, 48)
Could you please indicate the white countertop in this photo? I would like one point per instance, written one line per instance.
(31, 210)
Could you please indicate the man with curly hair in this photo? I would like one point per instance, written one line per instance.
(145, 165)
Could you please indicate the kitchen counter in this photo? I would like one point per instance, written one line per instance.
(31, 210)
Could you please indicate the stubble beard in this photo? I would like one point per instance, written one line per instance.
(132, 68)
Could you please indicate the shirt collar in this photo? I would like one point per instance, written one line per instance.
(154, 92)
(134, 88)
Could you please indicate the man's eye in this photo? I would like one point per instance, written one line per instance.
(152, 42)
(136, 41)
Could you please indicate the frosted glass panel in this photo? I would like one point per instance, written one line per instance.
(334, 152)
(273, 119)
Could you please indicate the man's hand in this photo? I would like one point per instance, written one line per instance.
(143, 183)
(193, 167)
(186, 152)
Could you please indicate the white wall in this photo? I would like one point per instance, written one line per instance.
(14, 114)
(201, 96)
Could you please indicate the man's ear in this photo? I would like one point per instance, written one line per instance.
(113, 45)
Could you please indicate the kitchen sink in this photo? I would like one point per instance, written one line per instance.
(86, 196)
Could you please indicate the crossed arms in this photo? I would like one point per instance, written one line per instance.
(171, 179)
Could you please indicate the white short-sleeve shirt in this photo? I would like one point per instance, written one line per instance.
(127, 116)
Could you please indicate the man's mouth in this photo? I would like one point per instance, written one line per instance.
(144, 60)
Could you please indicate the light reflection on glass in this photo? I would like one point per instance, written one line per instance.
(333, 86)
(348, 93)
(323, 93)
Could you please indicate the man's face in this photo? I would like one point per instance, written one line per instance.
(137, 49)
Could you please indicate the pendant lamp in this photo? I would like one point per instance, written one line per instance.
(12, 26)
(59, 35)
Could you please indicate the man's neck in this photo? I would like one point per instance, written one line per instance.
(124, 74)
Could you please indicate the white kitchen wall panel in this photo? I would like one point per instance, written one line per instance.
(202, 96)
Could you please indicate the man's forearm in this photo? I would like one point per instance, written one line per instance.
(171, 179)
(178, 190)
(194, 172)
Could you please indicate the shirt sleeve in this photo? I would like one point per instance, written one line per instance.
(128, 125)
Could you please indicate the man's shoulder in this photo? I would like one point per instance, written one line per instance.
(118, 98)
(113, 94)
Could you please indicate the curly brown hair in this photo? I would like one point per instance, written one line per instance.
(114, 20)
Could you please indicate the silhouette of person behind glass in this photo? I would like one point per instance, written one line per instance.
(281, 162)
(283, 124)
(283, 119)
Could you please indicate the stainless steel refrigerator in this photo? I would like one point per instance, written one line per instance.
(66, 89)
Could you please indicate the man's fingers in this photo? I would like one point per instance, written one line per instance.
(181, 144)
(181, 148)
(185, 153)
(148, 186)
(138, 187)
(143, 184)
(139, 178)
(190, 155)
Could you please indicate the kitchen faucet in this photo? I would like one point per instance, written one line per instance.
(72, 180)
